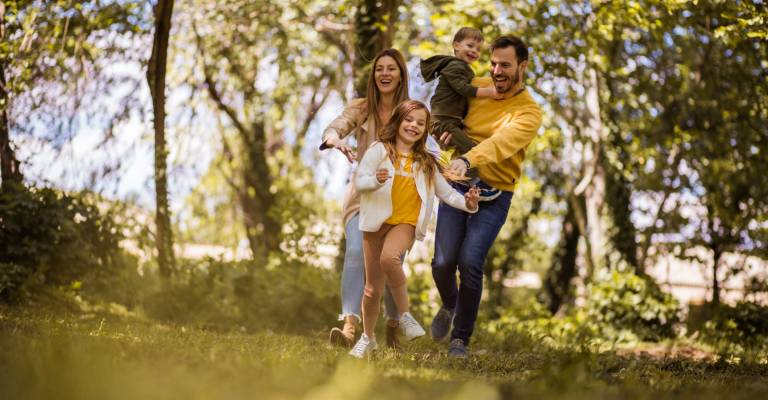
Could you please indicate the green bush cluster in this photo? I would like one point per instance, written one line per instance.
(623, 300)
(229, 295)
(738, 329)
(48, 237)
(620, 307)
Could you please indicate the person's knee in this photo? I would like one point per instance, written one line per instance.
(471, 274)
(372, 293)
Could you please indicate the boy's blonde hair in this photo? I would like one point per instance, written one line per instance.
(468, 33)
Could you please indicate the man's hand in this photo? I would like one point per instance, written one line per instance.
(458, 167)
(445, 140)
(339, 145)
(382, 175)
(472, 197)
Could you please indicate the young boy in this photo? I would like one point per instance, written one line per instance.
(451, 99)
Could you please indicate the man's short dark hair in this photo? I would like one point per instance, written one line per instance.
(502, 42)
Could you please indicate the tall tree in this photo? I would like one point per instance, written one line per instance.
(374, 27)
(53, 67)
(156, 80)
(9, 165)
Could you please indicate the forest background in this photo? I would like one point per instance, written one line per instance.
(161, 174)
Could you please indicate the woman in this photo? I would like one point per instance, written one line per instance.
(387, 87)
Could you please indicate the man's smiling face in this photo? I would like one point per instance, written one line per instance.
(505, 69)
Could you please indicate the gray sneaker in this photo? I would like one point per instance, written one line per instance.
(441, 324)
(457, 349)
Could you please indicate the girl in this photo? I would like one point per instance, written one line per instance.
(396, 204)
(361, 119)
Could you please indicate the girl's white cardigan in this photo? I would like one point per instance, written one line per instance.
(376, 198)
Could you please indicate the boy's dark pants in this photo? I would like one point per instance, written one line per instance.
(462, 242)
(459, 138)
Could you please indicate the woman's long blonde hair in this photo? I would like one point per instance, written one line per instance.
(388, 136)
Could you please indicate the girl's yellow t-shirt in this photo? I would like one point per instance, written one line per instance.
(406, 202)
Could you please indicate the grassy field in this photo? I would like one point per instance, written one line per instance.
(45, 355)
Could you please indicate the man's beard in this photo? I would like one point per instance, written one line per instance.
(512, 82)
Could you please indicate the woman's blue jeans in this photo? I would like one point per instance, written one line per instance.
(353, 276)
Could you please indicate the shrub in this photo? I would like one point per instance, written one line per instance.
(624, 301)
(228, 295)
(52, 236)
(742, 328)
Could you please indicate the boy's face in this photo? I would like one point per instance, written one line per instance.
(468, 49)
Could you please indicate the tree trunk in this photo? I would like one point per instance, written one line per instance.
(9, 164)
(618, 199)
(156, 80)
(371, 16)
(715, 283)
(593, 184)
(563, 269)
(262, 228)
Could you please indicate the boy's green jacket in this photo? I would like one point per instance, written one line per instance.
(453, 91)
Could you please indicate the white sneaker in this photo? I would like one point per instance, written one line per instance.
(363, 347)
(411, 328)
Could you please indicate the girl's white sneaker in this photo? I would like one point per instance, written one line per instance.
(411, 328)
(363, 347)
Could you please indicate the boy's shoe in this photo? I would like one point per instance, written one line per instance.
(363, 347)
(457, 349)
(411, 329)
(391, 331)
(441, 324)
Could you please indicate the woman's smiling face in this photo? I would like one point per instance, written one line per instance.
(387, 75)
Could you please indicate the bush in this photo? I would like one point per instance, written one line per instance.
(624, 301)
(52, 236)
(221, 295)
(738, 329)
(620, 308)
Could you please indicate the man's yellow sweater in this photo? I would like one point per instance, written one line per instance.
(503, 129)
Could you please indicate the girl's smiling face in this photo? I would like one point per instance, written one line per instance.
(413, 127)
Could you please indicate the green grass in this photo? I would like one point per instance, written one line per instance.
(56, 355)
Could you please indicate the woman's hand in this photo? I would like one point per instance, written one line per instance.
(472, 197)
(382, 175)
(339, 145)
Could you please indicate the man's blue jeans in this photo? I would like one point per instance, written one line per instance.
(353, 276)
(462, 242)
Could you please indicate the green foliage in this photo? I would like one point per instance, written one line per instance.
(619, 308)
(54, 238)
(741, 329)
(622, 300)
(227, 296)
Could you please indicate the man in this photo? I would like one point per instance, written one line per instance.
(502, 129)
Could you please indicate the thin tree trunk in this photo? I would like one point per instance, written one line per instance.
(156, 80)
(563, 269)
(371, 16)
(715, 283)
(9, 164)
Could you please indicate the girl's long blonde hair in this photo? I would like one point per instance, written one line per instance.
(388, 136)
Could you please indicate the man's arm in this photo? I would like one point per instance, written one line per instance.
(508, 140)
